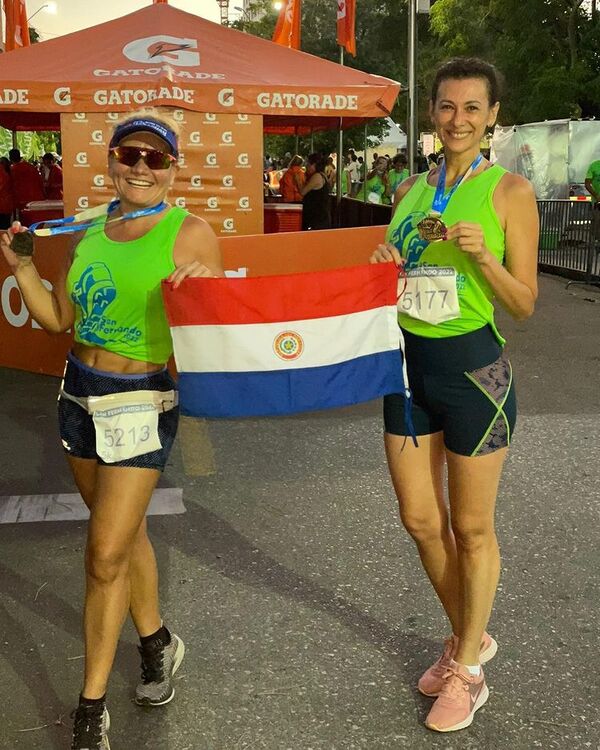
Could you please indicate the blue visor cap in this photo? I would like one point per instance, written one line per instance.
(147, 126)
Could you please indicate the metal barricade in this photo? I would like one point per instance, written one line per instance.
(570, 239)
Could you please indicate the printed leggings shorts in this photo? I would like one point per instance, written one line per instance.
(77, 426)
(462, 386)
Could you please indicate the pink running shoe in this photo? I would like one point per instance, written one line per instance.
(462, 694)
(432, 680)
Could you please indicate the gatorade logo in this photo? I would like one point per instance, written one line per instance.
(243, 119)
(243, 160)
(164, 49)
(81, 159)
(196, 182)
(228, 181)
(83, 202)
(178, 115)
(20, 318)
(79, 117)
(210, 117)
(112, 116)
(97, 136)
(99, 180)
(225, 97)
(227, 138)
(62, 96)
(228, 225)
(195, 139)
(244, 203)
(180, 202)
(181, 160)
(211, 160)
(212, 204)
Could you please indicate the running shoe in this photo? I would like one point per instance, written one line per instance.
(461, 695)
(90, 728)
(159, 664)
(431, 682)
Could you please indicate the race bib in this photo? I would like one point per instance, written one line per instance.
(126, 431)
(430, 294)
(373, 197)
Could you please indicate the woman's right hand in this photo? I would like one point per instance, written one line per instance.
(386, 254)
(14, 261)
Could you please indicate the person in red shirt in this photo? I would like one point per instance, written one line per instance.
(26, 180)
(52, 177)
(6, 194)
(293, 181)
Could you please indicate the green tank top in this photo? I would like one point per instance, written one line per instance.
(472, 202)
(374, 185)
(116, 290)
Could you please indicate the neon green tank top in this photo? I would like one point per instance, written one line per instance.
(472, 202)
(116, 290)
(374, 185)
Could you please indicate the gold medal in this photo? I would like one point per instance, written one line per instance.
(431, 228)
(22, 244)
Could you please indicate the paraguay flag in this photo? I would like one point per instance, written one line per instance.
(273, 345)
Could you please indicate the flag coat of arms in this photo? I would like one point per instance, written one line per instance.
(274, 345)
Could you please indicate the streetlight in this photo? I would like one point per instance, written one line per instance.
(50, 7)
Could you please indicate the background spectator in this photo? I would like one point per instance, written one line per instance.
(292, 181)
(6, 194)
(26, 180)
(52, 177)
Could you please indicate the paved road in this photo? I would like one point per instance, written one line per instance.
(305, 612)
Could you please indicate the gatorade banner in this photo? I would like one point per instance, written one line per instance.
(220, 167)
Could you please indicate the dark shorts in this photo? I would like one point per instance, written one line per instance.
(77, 427)
(462, 386)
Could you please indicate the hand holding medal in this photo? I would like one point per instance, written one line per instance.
(432, 228)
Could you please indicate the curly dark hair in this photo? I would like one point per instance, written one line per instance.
(469, 67)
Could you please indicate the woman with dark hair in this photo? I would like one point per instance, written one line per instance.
(7, 203)
(117, 405)
(315, 192)
(464, 233)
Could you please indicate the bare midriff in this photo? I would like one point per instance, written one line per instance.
(101, 359)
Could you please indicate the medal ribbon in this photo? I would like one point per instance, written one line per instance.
(71, 224)
(441, 198)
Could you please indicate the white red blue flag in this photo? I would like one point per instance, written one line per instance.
(274, 345)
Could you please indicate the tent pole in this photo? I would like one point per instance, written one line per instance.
(312, 141)
(366, 168)
(412, 86)
(339, 162)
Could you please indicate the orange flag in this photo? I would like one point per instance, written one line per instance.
(17, 29)
(287, 31)
(346, 18)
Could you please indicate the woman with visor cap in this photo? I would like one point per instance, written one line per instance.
(118, 409)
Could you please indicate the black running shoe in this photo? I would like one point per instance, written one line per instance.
(90, 727)
(159, 664)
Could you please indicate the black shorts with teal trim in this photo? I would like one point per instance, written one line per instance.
(462, 386)
(77, 427)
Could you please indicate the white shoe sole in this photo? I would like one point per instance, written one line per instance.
(481, 700)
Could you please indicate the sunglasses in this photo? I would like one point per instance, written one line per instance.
(130, 155)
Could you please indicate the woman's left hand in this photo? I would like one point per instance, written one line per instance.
(193, 270)
(469, 238)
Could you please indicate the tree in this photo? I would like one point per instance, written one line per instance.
(380, 46)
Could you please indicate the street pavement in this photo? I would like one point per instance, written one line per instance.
(305, 612)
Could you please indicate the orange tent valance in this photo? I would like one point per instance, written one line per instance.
(160, 55)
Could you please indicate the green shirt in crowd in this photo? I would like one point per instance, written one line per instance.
(593, 174)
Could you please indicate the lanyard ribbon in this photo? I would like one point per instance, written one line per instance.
(71, 224)
(441, 198)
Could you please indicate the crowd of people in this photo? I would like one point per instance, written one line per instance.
(374, 183)
(22, 182)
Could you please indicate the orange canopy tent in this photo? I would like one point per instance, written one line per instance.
(160, 55)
